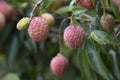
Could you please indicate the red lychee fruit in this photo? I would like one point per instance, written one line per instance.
(74, 36)
(6, 9)
(89, 4)
(59, 65)
(2, 21)
(38, 29)
(108, 22)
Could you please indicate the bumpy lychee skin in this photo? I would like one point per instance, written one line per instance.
(108, 22)
(38, 29)
(6, 9)
(59, 65)
(74, 36)
(49, 18)
(2, 21)
(89, 4)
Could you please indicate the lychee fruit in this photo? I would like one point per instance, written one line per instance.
(56, 4)
(49, 18)
(108, 22)
(6, 9)
(23, 23)
(89, 4)
(74, 36)
(59, 65)
(38, 29)
(117, 2)
(2, 21)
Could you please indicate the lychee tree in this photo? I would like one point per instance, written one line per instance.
(59, 39)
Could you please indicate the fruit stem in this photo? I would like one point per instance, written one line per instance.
(71, 19)
(36, 5)
(60, 42)
(103, 6)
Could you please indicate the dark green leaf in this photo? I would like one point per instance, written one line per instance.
(114, 64)
(96, 63)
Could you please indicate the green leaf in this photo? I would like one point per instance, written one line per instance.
(78, 12)
(96, 62)
(71, 4)
(66, 9)
(47, 3)
(6, 32)
(102, 37)
(74, 21)
(114, 64)
(13, 50)
(84, 65)
(11, 76)
(115, 10)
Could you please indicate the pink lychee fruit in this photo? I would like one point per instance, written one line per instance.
(2, 21)
(6, 9)
(38, 29)
(59, 65)
(89, 4)
(74, 36)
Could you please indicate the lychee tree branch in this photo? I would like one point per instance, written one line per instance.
(36, 5)
(60, 42)
(103, 6)
(117, 34)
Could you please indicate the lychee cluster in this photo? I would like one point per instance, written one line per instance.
(108, 22)
(89, 4)
(5, 13)
(38, 30)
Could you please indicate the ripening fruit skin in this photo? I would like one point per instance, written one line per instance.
(38, 29)
(108, 22)
(74, 36)
(89, 4)
(117, 2)
(56, 4)
(59, 65)
(2, 21)
(49, 18)
(23, 23)
(6, 9)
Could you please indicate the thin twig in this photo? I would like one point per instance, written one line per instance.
(117, 34)
(60, 43)
(36, 5)
(54, 12)
(103, 7)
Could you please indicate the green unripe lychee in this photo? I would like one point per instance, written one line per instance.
(23, 23)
